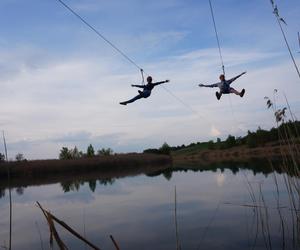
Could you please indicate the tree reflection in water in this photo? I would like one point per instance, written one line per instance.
(256, 166)
(77, 184)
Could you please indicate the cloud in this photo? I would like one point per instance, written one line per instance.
(215, 132)
(75, 101)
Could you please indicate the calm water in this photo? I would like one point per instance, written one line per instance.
(139, 212)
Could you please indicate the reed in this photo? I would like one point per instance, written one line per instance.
(178, 247)
(8, 171)
(290, 157)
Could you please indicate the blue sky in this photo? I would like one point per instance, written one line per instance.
(61, 84)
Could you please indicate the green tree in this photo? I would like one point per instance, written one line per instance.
(251, 140)
(2, 157)
(75, 154)
(230, 141)
(105, 152)
(90, 152)
(65, 154)
(165, 149)
(19, 157)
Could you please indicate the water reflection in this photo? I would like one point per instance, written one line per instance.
(75, 185)
(139, 210)
(69, 184)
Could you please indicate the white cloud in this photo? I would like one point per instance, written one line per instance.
(214, 131)
(78, 98)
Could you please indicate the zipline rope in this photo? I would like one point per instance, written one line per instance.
(100, 35)
(127, 57)
(217, 36)
(221, 57)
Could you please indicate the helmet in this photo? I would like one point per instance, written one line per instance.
(149, 79)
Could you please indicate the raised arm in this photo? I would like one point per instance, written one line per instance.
(236, 77)
(138, 86)
(157, 83)
(209, 86)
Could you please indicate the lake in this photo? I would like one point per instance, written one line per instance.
(215, 210)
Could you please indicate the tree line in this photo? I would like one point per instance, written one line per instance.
(258, 138)
(74, 153)
(19, 157)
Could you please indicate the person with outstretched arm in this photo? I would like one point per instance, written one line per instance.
(146, 90)
(224, 86)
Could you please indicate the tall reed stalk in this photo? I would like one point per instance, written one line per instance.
(176, 222)
(288, 137)
(9, 192)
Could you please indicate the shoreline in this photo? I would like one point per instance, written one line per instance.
(107, 166)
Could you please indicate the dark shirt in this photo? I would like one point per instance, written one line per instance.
(149, 86)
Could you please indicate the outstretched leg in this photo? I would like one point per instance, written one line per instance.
(241, 94)
(132, 100)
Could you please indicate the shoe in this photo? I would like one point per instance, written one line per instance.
(218, 95)
(123, 103)
(242, 93)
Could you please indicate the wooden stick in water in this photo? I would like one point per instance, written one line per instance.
(68, 228)
(115, 243)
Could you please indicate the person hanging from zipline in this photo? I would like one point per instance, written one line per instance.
(146, 90)
(224, 86)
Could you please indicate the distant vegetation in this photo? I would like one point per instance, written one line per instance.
(45, 168)
(253, 139)
(19, 157)
(165, 149)
(67, 154)
(73, 173)
(2, 158)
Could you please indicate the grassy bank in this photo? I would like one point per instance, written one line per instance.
(108, 166)
(237, 153)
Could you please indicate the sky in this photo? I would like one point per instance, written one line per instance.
(61, 84)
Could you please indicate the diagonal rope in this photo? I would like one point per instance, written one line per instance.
(100, 35)
(217, 36)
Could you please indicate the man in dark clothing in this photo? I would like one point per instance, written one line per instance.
(224, 86)
(146, 90)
